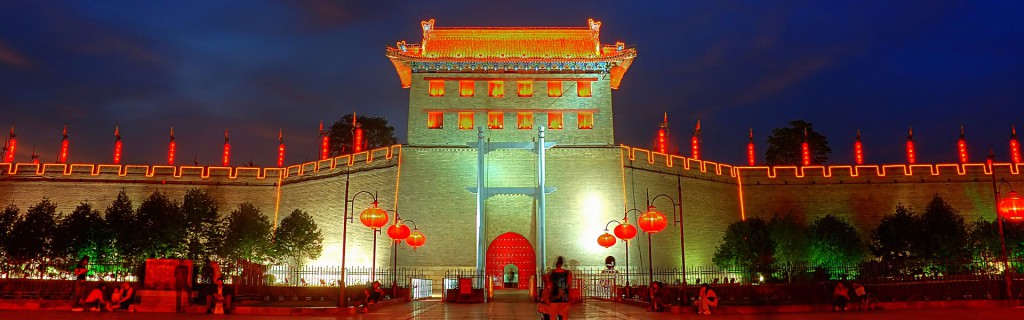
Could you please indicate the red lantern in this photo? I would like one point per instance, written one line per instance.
(374, 217)
(652, 221)
(398, 231)
(1012, 207)
(415, 239)
(625, 231)
(606, 240)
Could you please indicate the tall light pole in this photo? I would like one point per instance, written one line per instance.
(1011, 207)
(652, 222)
(342, 301)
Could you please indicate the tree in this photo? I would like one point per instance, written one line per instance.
(163, 224)
(897, 235)
(298, 238)
(247, 236)
(791, 244)
(746, 245)
(8, 217)
(377, 133)
(120, 218)
(32, 236)
(985, 242)
(834, 242)
(784, 145)
(943, 232)
(83, 232)
(203, 230)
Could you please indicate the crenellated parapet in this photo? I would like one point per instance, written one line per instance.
(644, 159)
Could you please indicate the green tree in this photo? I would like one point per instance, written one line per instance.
(248, 236)
(83, 232)
(897, 236)
(943, 233)
(8, 218)
(791, 243)
(834, 242)
(985, 242)
(298, 238)
(377, 133)
(163, 226)
(746, 245)
(784, 145)
(204, 230)
(32, 236)
(120, 219)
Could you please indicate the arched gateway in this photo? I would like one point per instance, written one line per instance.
(511, 248)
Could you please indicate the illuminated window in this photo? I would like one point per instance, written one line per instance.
(496, 88)
(586, 120)
(525, 120)
(435, 120)
(465, 120)
(583, 88)
(495, 120)
(525, 88)
(436, 88)
(554, 120)
(466, 88)
(554, 88)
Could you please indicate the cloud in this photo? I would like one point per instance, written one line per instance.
(14, 59)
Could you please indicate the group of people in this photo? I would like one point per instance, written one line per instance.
(841, 297)
(97, 299)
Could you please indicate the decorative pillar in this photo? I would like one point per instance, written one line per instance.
(481, 196)
(542, 256)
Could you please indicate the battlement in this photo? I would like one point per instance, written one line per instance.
(652, 160)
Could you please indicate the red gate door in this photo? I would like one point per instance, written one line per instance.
(511, 248)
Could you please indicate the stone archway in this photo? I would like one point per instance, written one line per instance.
(511, 248)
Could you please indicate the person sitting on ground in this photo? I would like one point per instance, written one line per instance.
(372, 295)
(122, 297)
(840, 296)
(706, 300)
(220, 294)
(860, 296)
(95, 300)
(657, 297)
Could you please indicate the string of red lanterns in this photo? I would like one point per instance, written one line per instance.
(171, 149)
(858, 150)
(324, 142)
(117, 145)
(280, 148)
(751, 157)
(805, 151)
(12, 144)
(911, 156)
(63, 156)
(961, 146)
(226, 160)
(1014, 146)
(695, 142)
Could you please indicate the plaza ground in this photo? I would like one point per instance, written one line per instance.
(517, 306)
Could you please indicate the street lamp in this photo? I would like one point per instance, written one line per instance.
(373, 215)
(624, 231)
(374, 218)
(397, 232)
(652, 222)
(1012, 208)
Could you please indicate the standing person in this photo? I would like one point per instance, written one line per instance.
(182, 286)
(560, 280)
(81, 273)
(706, 300)
(840, 296)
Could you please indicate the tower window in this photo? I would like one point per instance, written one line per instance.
(525, 88)
(554, 88)
(524, 120)
(583, 88)
(466, 88)
(554, 120)
(586, 120)
(495, 120)
(496, 88)
(436, 88)
(435, 120)
(465, 120)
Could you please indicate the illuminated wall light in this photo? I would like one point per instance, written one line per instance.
(226, 160)
(325, 141)
(63, 156)
(117, 146)
(911, 156)
(694, 141)
(12, 145)
(858, 150)
(171, 149)
(280, 148)
(961, 145)
(805, 151)
(1014, 146)
(751, 158)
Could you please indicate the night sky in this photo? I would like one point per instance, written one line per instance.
(257, 66)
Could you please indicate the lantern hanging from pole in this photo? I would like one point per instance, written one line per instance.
(374, 217)
(751, 158)
(171, 146)
(117, 145)
(625, 231)
(1011, 207)
(415, 239)
(606, 240)
(911, 155)
(398, 231)
(652, 221)
(961, 146)
(12, 144)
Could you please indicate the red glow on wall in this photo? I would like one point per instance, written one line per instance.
(911, 156)
(325, 141)
(1014, 146)
(280, 149)
(961, 146)
(858, 150)
(171, 146)
(751, 157)
(226, 160)
(63, 157)
(12, 145)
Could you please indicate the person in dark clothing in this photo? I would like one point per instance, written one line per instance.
(220, 294)
(657, 297)
(372, 295)
(81, 273)
(182, 286)
(559, 298)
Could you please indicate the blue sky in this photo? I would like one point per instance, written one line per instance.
(256, 66)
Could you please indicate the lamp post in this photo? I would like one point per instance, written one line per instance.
(652, 222)
(397, 232)
(1011, 207)
(624, 231)
(342, 299)
(374, 218)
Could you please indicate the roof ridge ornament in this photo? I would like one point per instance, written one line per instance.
(427, 26)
